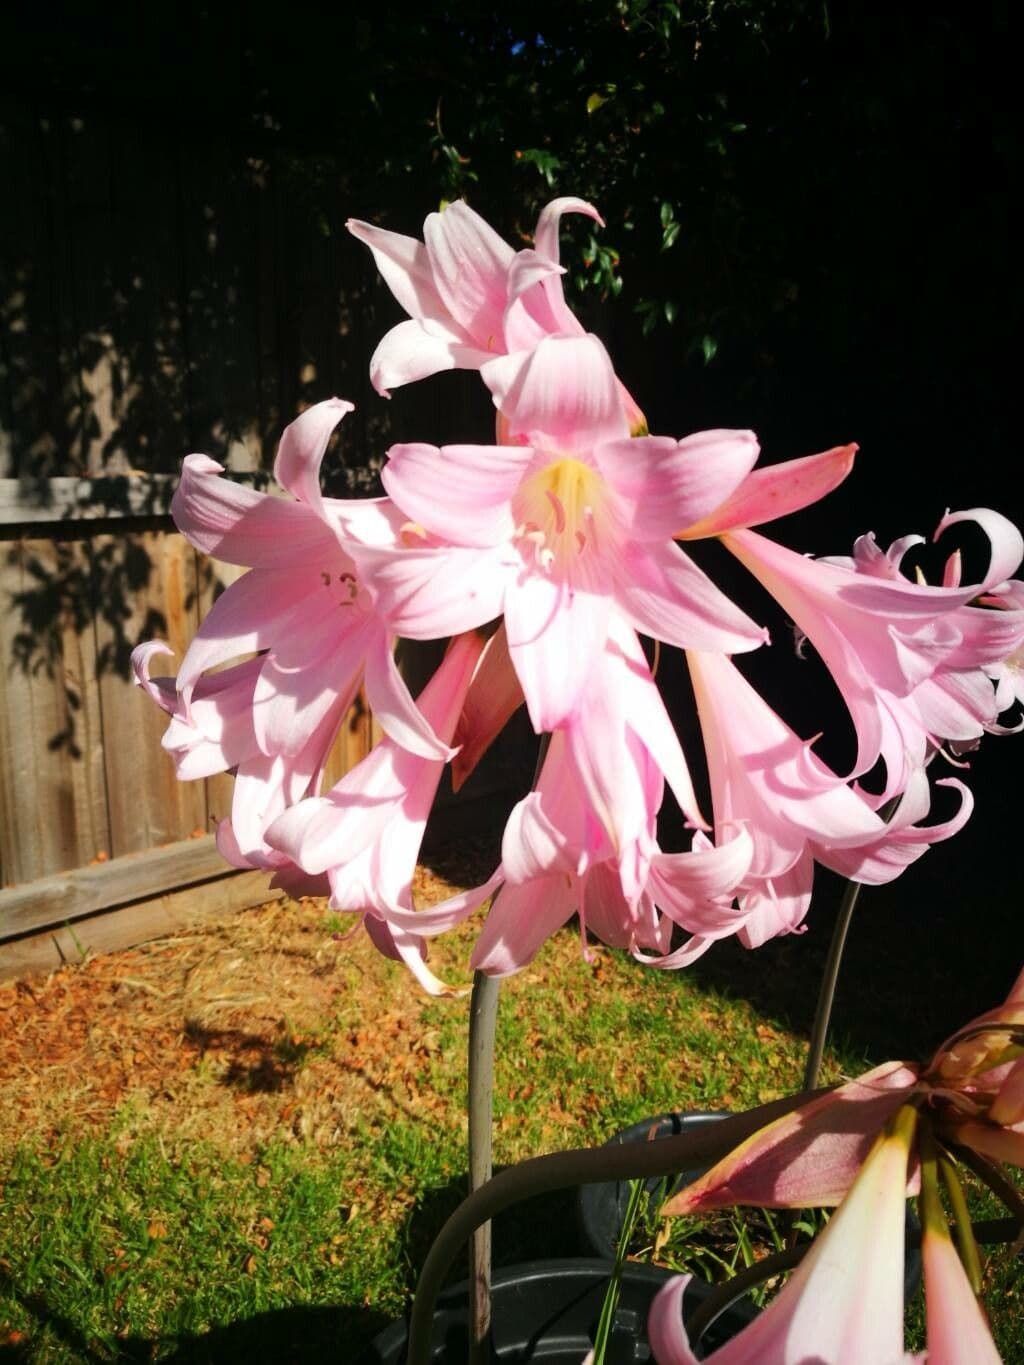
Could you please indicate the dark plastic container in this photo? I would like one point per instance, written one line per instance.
(548, 1311)
(602, 1208)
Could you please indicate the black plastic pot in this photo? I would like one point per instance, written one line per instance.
(548, 1311)
(602, 1208)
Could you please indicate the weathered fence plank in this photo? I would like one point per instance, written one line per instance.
(155, 917)
(86, 890)
(148, 805)
(53, 798)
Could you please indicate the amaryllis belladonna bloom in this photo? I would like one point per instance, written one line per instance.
(552, 534)
(909, 659)
(865, 1146)
(304, 611)
(584, 841)
(365, 833)
(470, 297)
(971, 1094)
(796, 809)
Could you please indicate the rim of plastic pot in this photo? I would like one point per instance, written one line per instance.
(601, 1209)
(548, 1311)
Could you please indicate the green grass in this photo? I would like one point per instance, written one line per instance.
(133, 1241)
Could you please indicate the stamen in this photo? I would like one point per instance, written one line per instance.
(411, 532)
(559, 510)
(581, 542)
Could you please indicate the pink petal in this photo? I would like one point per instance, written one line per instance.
(533, 845)
(696, 888)
(470, 264)
(315, 661)
(562, 395)
(662, 485)
(493, 698)
(545, 237)
(665, 1330)
(664, 594)
(776, 491)
(462, 494)
(958, 1333)
(249, 617)
(555, 634)
(536, 308)
(218, 734)
(649, 720)
(414, 350)
(390, 701)
(810, 1156)
(880, 861)
(407, 271)
(777, 904)
(160, 690)
(519, 921)
(1008, 1105)
(1007, 544)
(437, 591)
(240, 526)
(302, 449)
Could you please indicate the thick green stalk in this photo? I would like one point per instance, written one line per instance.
(827, 992)
(483, 1014)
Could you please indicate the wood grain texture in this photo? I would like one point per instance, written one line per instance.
(153, 594)
(154, 917)
(51, 901)
(53, 812)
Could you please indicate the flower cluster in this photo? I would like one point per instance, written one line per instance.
(865, 1146)
(544, 559)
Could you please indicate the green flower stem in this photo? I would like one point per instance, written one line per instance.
(483, 1018)
(933, 1215)
(827, 992)
(992, 1176)
(483, 1015)
(965, 1240)
(561, 1170)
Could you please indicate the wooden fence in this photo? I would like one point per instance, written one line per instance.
(100, 845)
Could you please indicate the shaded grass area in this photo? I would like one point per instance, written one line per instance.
(254, 1171)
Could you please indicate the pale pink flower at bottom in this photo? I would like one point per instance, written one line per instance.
(843, 1304)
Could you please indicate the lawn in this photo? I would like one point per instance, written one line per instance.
(237, 1144)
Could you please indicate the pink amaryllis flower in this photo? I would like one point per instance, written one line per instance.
(843, 1304)
(971, 1094)
(470, 296)
(830, 1152)
(312, 623)
(908, 659)
(584, 841)
(553, 534)
(764, 777)
(365, 833)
